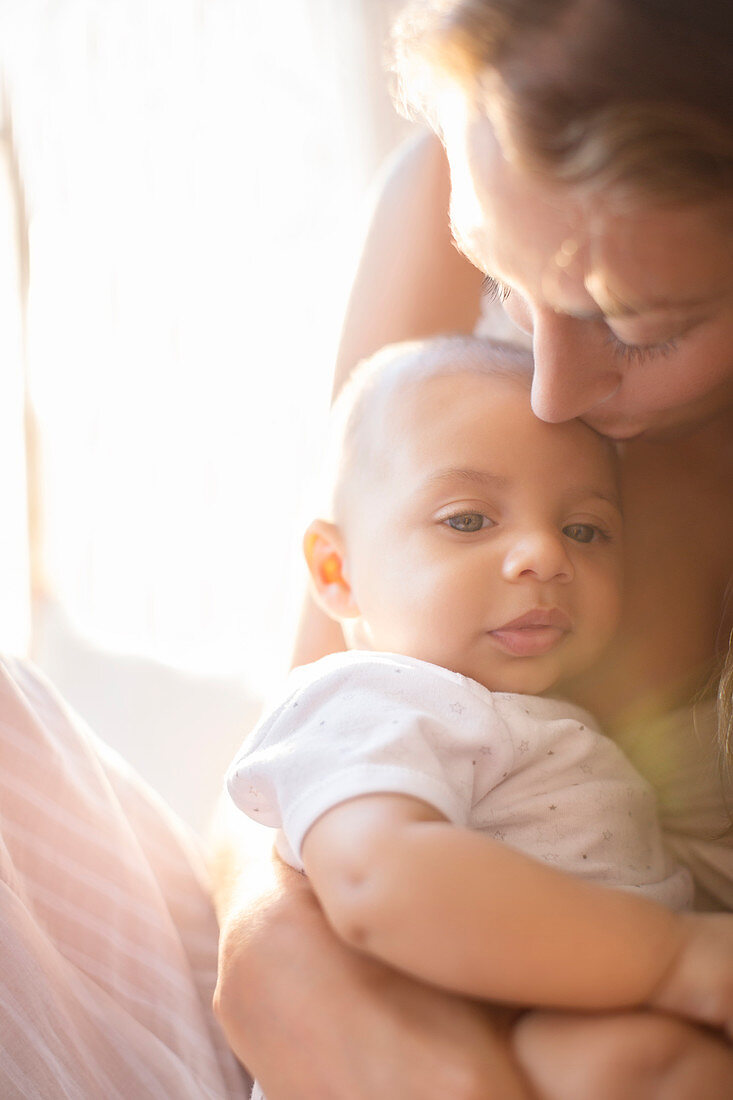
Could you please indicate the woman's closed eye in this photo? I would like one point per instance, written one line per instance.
(494, 289)
(638, 353)
(497, 291)
(468, 522)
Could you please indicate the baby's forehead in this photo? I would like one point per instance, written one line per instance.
(405, 394)
(376, 415)
(480, 405)
(406, 384)
(408, 401)
(431, 392)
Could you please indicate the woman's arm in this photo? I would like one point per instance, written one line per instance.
(411, 282)
(314, 1020)
(475, 916)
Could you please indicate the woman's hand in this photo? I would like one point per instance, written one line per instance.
(700, 983)
(632, 1055)
(310, 1018)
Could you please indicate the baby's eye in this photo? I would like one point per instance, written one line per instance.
(582, 532)
(468, 522)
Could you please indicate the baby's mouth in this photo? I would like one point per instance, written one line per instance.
(534, 633)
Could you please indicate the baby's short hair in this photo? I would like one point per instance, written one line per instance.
(354, 445)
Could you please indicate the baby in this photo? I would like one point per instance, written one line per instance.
(426, 781)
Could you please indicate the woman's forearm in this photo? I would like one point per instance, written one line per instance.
(268, 916)
(317, 635)
(310, 1017)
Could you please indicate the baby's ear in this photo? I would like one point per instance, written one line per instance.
(324, 553)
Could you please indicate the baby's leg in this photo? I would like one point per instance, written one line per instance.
(632, 1055)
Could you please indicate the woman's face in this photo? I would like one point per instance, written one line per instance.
(630, 309)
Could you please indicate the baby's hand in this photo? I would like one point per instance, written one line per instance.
(700, 983)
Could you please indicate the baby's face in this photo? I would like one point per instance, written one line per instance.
(488, 542)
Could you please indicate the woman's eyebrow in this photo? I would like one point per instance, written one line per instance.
(611, 305)
(614, 306)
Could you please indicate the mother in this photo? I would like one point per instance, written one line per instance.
(590, 145)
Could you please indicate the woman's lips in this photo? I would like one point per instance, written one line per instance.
(534, 633)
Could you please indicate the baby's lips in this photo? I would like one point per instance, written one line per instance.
(538, 617)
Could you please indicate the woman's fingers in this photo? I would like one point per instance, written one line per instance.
(311, 1019)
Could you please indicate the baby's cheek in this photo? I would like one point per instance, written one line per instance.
(603, 600)
(612, 605)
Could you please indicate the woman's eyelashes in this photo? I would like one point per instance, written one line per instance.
(637, 353)
(497, 291)
(494, 289)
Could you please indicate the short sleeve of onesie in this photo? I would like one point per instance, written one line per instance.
(367, 723)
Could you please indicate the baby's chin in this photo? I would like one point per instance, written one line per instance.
(517, 676)
(510, 676)
(520, 683)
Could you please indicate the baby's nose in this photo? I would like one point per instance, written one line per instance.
(541, 555)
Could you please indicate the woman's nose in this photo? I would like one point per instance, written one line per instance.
(538, 555)
(572, 374)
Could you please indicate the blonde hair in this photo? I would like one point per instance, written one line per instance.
(629, 94)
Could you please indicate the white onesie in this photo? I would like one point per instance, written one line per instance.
(535, 773)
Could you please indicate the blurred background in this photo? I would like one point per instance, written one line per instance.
(183, 188)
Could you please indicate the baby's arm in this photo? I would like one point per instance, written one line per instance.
(480, 918)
